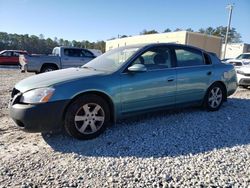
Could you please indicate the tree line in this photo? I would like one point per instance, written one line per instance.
(233, 35)
(40, 45)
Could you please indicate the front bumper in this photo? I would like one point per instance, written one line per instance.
(243, 80)
(43, 117)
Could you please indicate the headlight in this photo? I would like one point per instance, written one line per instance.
(40, 95)
(240, 72)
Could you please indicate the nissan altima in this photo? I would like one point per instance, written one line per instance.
(120, 83)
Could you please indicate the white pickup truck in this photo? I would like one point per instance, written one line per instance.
(61, 57)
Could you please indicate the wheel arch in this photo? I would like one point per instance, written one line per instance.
(101, 94)
(49, 64)
(223, 86)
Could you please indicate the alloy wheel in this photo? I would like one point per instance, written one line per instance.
(89, 118)
(215, 97)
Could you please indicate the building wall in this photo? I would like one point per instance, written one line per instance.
(206, 42)
(175, 37)
(235, 49)
(209, 43)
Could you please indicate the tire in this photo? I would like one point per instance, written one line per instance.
(87, 117)
(245, 87)
(48, 68)
(215, 97)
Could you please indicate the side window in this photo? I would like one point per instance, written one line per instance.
(72, 52)
(7, 54)
(188, 57)
(207, 59)
(155, 58)
(16, 54)
(85, 53)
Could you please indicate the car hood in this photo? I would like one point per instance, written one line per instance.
(55, 77)
(238, 60)
(245, 69)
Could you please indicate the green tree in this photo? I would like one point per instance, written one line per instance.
(190, 30)
(145, 32)
(167, 30)
(220, 31)
(178, 29)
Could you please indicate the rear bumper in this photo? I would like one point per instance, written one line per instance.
(39, 118)
(28, 68)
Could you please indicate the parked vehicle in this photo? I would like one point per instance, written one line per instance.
(243, 75)
(62, 57)
(10, 57)
(120, 83)
(96, 52)
(241, 60)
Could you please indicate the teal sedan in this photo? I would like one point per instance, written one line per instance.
(120, 83)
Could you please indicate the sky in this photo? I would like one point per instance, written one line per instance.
(96, 20)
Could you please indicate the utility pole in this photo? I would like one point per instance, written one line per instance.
(230, 7)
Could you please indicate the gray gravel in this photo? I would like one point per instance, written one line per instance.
(176, 148)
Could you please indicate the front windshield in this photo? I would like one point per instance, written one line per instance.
(243, 56)
(112, 60)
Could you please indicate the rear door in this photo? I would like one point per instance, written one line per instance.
(193, 74)
(71, 57)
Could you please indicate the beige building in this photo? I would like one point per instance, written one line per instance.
(206, 42)
(235, 49)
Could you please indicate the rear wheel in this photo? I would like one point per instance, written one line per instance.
(87, 117)
(214, 97)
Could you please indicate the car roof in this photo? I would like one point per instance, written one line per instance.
(147, 45)
(71, 47)
(13, 51)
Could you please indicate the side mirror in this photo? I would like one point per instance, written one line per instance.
(137, 68)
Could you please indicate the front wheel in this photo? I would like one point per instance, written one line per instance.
(87, 117)
(214, 97)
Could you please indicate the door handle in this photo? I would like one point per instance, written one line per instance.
(209, 73)
(170, 79)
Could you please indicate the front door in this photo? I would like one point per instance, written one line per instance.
(150, 89)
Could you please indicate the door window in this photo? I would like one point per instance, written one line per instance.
(85, 53)
(72, 52)
(155, 58)
(188, 57)
(7, 54)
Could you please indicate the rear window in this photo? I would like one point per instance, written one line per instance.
(188, 57)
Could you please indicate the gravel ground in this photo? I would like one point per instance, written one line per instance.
(177, 148)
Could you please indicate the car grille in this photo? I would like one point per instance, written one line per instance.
(14, 92)
(244, 81)
(15, 97)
